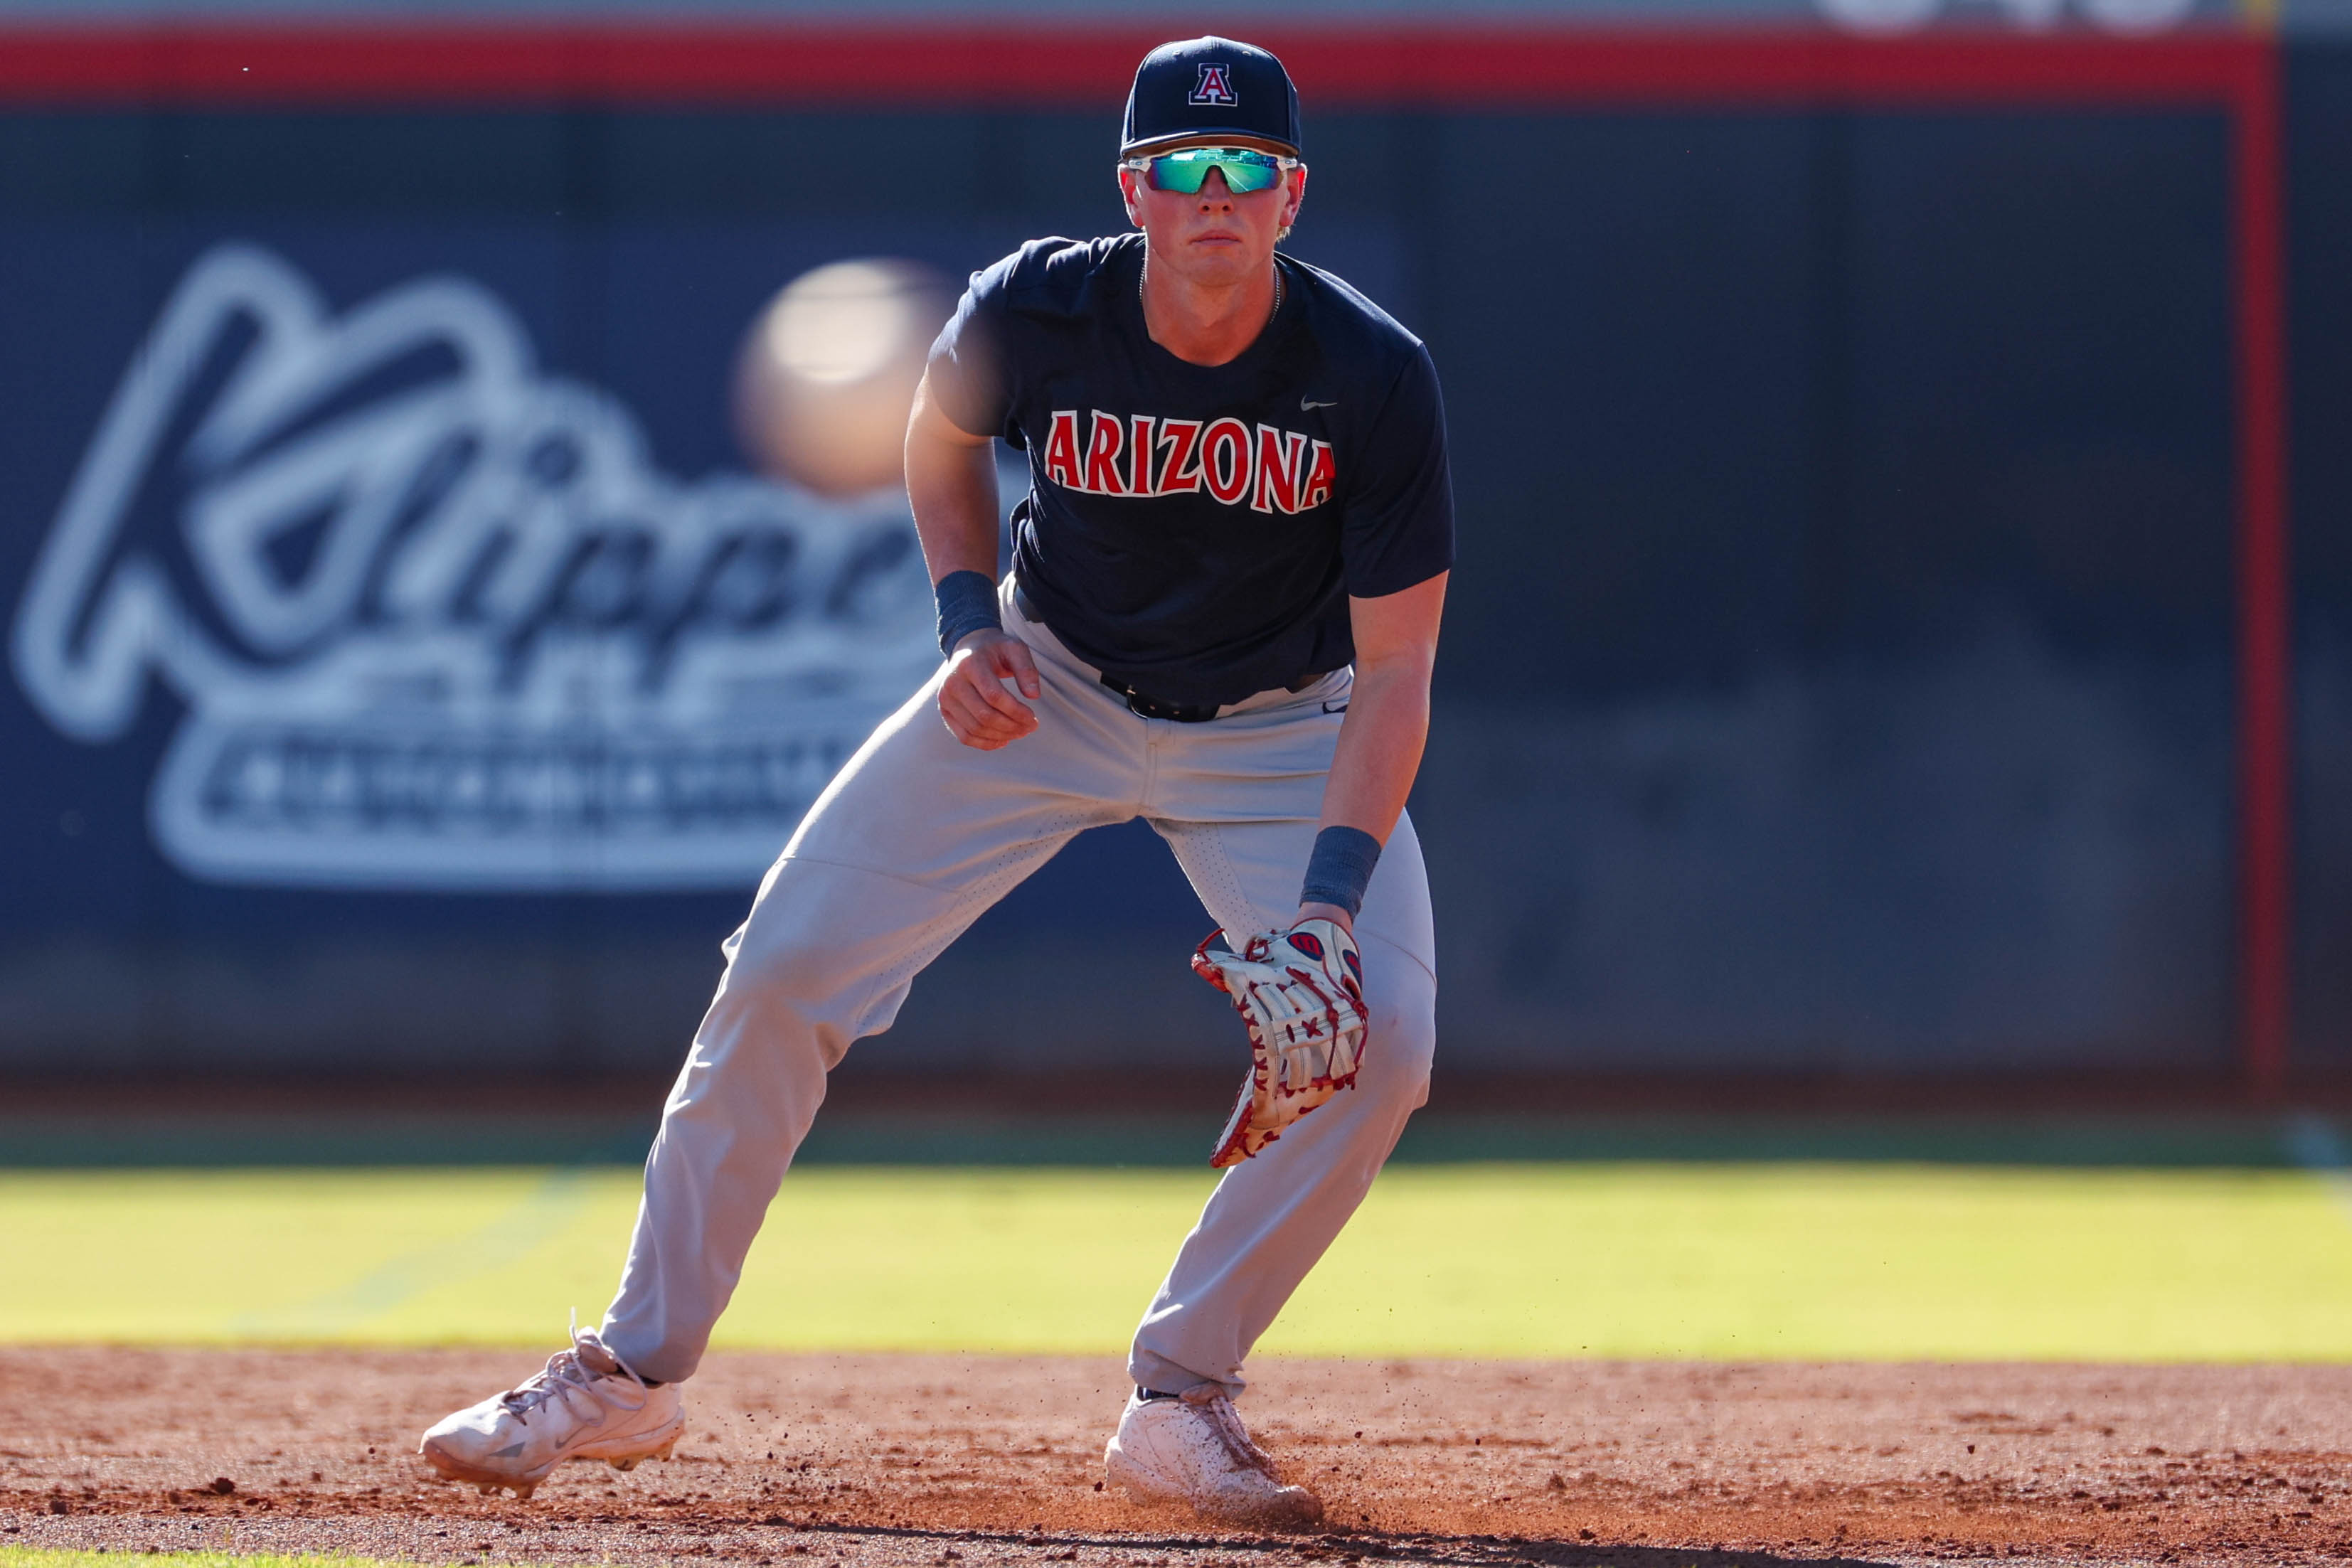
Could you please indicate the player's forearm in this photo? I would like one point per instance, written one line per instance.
(952, 484)
(1380, 746)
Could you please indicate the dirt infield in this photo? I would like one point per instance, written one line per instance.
(873, 1460)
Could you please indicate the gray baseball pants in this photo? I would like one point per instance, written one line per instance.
(909, 843)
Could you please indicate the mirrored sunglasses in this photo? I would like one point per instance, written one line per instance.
(1184, 170)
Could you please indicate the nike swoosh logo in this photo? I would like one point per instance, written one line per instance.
(1335, 707)
(1304, 405)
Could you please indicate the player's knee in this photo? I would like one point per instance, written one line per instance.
(805, 946)
(779, 954)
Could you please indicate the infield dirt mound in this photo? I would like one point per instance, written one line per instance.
(889, 1459)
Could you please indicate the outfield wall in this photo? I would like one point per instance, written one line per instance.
(1846, 665)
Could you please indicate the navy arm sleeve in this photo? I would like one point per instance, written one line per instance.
(970, 379)
(1396, 527)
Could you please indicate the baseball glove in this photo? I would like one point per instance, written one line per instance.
(1301, 994)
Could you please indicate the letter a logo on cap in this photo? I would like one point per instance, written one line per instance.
(1214, 86)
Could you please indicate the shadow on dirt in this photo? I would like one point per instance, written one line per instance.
(1359, 1547)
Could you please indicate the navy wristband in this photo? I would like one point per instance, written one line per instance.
(967, 604)
(1340, 868)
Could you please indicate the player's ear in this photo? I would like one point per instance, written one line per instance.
(1297, 196)
(1127, 194)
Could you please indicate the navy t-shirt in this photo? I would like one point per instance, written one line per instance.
(1192, 531)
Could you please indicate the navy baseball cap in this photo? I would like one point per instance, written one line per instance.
(1210, 86)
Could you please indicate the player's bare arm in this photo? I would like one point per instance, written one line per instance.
(951, 480)
(1387, 725)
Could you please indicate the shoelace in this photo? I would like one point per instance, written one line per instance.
(1226, 1422)
(565, 1369)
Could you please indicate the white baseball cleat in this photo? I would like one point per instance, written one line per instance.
(584, 1404)
(1195, 1450)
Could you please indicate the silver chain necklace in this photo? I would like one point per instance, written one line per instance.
(1147, 310)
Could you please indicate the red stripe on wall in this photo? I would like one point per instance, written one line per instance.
(1453, 68)
(1470, 70)
(2266, 670)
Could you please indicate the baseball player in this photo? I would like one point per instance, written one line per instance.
(1222, 609)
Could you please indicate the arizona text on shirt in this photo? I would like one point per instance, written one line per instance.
(1274, 470)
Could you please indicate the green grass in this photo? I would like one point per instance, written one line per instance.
(1740, 1261)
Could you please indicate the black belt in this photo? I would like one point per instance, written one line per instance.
(1153, 707)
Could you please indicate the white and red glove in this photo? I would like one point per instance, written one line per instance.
(1301, 994)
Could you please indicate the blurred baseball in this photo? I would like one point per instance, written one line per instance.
(828, 370)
